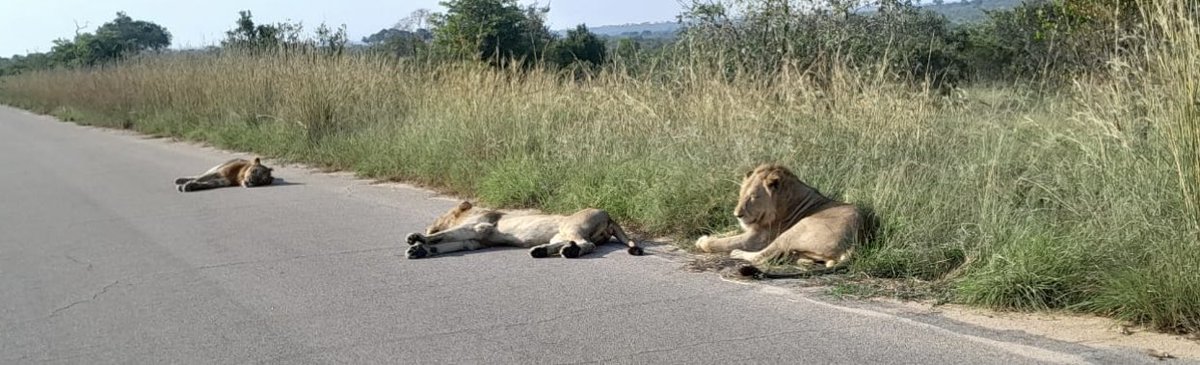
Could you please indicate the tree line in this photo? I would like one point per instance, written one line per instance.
(1039, 39)
(112, 40)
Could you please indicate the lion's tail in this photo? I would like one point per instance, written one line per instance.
(757, 273)
(751, 271)
(616, 231)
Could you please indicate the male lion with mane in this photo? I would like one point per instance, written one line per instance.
(231, 173)
(465, 228)
(786, 219)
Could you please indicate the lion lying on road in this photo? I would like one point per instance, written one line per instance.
(784, 218)
(468, 228)
(231, 173)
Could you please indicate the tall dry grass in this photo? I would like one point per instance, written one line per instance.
(1160, 282)
(1011, 198)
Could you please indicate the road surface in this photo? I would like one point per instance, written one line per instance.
(103, 262)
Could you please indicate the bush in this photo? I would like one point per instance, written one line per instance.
(497, 31)
(767, 37)
(581, 46)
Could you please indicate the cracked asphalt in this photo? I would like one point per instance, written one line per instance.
(103, 262)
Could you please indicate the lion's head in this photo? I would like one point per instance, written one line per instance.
(257, 174)
(768, 194)
(450, 218)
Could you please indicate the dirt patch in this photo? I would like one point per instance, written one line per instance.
(1069, 327)
(713, 263)
(914, 297)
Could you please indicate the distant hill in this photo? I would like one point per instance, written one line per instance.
(966, 11)
(971, 11)
(643, 30)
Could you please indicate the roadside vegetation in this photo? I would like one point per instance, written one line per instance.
(1045, 157)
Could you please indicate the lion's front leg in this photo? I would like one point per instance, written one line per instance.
(547, 250)
(421, 250)
(751, 241)
(466, 232)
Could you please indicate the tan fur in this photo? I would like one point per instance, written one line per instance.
(235, 172)
(784, 218)
(468, 228)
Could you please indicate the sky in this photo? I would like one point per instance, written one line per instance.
(31, 25)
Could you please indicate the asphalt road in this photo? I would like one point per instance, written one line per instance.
(102, 261)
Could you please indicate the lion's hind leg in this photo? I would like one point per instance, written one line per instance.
(774, 251)
(547, 250)
(577, 249)
(206, 181)
(838, 261)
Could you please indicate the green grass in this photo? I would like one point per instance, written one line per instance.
(1003, 197)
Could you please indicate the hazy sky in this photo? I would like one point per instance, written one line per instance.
(31, 25)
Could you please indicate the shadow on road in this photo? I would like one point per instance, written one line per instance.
(601, 251)
(281, 182)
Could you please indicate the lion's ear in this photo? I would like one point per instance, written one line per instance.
(772, 181)
(257, 161)
(465, 205)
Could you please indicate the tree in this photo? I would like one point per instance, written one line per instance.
(498, 31)
(7, 66)
(580, 46)
(401, 43)
(33, 61)
(247, 35)
(384, 35)
(124, 35)
(331, 40)
(418, 19)
(118, 38)
(627, 48)
(407, 38)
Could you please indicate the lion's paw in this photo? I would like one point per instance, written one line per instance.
(702, 244)
(741, 255)
(416, 252)
(636, 251)
(572, 250)
(414, 238)
(539, 252)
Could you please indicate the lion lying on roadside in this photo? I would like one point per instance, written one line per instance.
(468, 228)
(785, 219)
(231, 173)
